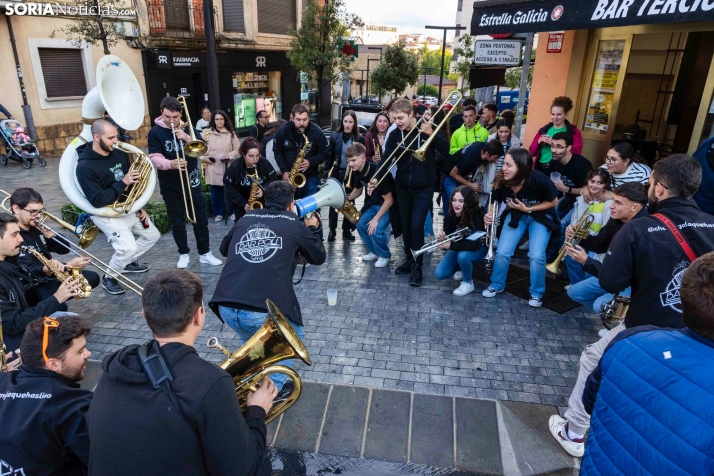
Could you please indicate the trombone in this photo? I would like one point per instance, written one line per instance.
(185, 177)
(195, 148)
(64, 241)
(419, 154)
(432, 246)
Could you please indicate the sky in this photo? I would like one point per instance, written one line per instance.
(409, 15)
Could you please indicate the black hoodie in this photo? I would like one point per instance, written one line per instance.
(413, 173)
(645, 255)
(135, 429)
(44, 432)
(289, 142)
(100, 176)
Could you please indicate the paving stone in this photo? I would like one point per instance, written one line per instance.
(301, 423)
(344, 424)
(432, 420)
(477, 441)
(388, 419)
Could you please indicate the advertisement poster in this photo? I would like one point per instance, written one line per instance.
(605, 78)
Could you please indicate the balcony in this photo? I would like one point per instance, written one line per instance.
(175, 18)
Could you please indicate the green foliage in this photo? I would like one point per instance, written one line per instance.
(95, 29)
(464, 50)
(431, 60)
(397, 70)
(513, 75)
(430, 90)
(315, 46)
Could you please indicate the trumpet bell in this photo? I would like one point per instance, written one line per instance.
(88, 236)
(195, 148)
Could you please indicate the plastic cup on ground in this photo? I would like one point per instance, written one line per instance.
(332, 297)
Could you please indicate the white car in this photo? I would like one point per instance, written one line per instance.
(428, 100)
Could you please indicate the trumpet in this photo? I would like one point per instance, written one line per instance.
(184, 177)
(614, 311)
(490, 236)
(432, 246)
(419, 154)
(582, 230)
(195, 148)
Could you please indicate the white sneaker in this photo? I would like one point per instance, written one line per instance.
(218, 218)
(381, 263)
(208, 258)
(524, 246)
(458, 276)
(557, 426)
(369, 257)
(535, 301)
(183, 261)
(489, 292)
(464, 289)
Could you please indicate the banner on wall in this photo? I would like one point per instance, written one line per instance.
(549, 15)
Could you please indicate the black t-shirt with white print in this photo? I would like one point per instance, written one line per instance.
(363, 178)
(537, 190)
(161, 141)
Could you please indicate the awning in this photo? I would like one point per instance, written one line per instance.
(515, 16)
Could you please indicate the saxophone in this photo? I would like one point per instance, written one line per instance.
(295, 177)
(76, 273)
(253, 201)
(377, 151)
(349, 211)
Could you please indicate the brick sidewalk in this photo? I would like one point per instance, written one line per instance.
(382, 333)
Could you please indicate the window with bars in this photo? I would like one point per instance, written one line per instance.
(176, 15)
(63, 72)
(233, 18)
(276, 16)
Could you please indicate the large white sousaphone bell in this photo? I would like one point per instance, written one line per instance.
(117, 92)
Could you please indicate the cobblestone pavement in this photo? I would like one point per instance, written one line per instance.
(381, 334)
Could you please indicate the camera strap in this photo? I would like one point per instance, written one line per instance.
(152, 360)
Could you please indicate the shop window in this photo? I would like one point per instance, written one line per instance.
(276, 16)
(63, 72)
(253, 92)
(603, 85)
(233, 19)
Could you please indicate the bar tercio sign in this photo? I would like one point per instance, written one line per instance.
(497, 52)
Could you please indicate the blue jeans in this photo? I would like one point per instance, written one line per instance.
(589, 293)
(507, 242)
(449, 187)
(310, 188)
(378, 242)
(217, 201)
(463, 259)
(576, 273)
(247, 323)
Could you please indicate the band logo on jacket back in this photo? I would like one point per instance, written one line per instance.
(259, 244)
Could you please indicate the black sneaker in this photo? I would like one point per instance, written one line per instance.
(284, 393)
(135, 267)
(111, 285)
(348, 236)
(331, 236)
(404, 268)
(416, 277)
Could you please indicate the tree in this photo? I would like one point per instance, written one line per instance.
(464, 52)
(431, 59)
(100, 26)
(315, 46)
(513, 75)
(397, 70)
(430, 90)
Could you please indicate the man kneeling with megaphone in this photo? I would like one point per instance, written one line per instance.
(261, 249)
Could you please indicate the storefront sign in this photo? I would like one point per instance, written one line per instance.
(163, 59)
(182, 59)
(548, 15)
(497, 52)
(555, 41)
(260, 62)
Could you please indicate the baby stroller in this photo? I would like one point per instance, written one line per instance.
(24, 152)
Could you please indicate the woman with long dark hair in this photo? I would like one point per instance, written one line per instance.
(248, 168)
(336, 166)
(376, 137)
(530, 197)
(222, 141)
(464, 213)
(505, 136)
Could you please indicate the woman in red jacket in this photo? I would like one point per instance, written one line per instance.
(540, 148)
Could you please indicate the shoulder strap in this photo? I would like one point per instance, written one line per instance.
(677, 236)
(159, 374)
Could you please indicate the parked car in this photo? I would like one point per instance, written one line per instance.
(428, 100)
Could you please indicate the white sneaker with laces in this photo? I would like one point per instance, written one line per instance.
(489, 292)
(381, 263)
(535, 301)
(458, 276)
(183, 261)
(369, 257)
(208, 258)
(524, 246)
(558, 429)
(464, 289)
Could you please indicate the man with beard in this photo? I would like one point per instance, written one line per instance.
(103, 174)
(650, 255)
(42, 407)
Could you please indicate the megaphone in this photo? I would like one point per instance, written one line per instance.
(332, 194)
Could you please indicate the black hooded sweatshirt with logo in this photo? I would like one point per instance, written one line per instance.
(135, 429)
(261, 249)
(411, 172)
(100, 176)
(645, 255)
(44, 432)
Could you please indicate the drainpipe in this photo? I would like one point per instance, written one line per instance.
(29, 121)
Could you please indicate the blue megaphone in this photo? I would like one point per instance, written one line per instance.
(332, 194)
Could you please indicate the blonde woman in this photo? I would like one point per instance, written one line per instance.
(222, 150)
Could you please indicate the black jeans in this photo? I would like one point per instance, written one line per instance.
(414, 205)
(177, 215)
(347, 226)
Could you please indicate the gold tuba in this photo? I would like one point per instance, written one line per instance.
(131, 193)
(296, 178)
(582, 231)
(62, 276)
(275, 341)
(253, 201)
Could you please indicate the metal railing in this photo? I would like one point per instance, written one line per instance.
(175, 18)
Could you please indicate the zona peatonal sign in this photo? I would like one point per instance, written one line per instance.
(497, 52)
(549, 15)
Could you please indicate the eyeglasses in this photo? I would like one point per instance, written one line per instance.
(50, 323)
(33, 213)
(611, 160)
(558, 147)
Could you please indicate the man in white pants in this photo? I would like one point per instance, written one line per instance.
(103, 173)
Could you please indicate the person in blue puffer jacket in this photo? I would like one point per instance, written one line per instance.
(651, 397)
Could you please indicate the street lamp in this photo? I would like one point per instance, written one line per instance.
(443, 51)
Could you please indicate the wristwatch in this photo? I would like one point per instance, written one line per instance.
(570, 189)
(530, 210)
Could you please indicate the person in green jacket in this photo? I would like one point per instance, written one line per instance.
(470, 132)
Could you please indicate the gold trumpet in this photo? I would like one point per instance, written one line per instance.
(86, 235)
(184, 177)
(582, 231)
(196, 148)
(274, 342)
